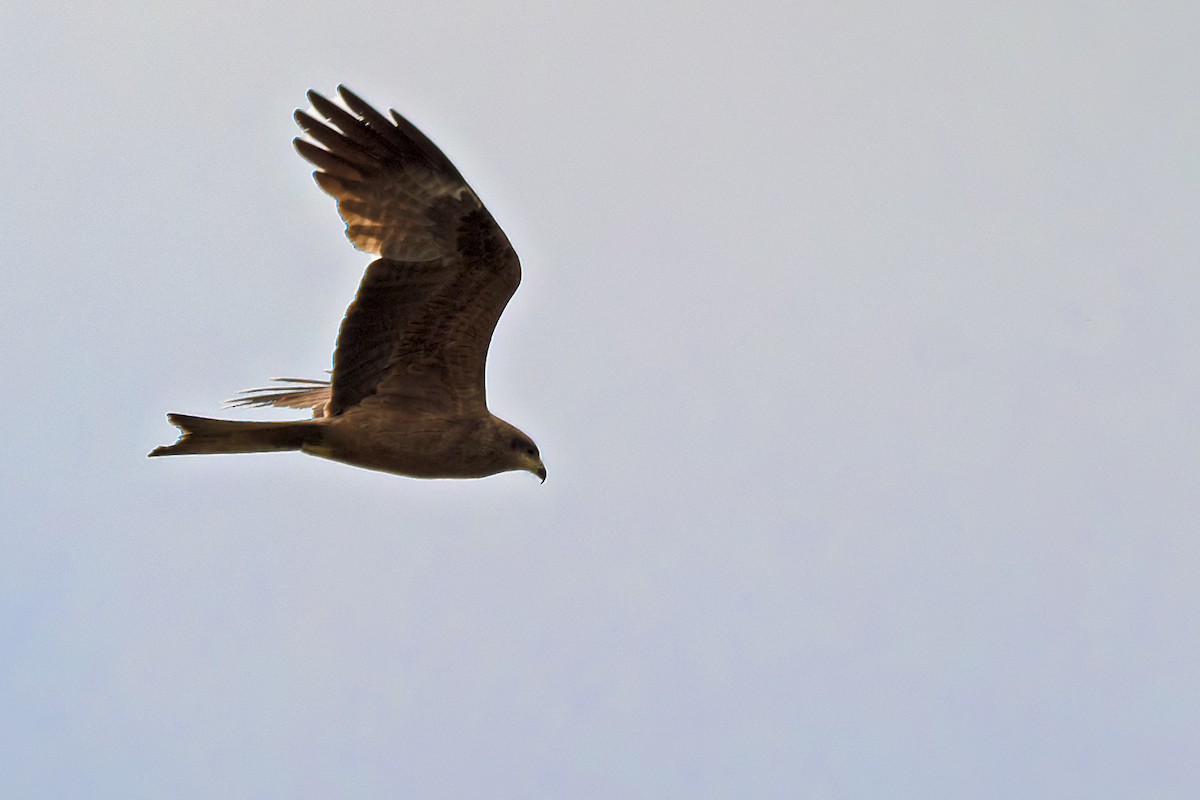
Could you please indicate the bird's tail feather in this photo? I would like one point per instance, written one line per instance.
(204, 435)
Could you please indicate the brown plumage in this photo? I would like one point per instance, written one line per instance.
(406, 394)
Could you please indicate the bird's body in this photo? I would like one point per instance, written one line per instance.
(406, 394)
(420, 445)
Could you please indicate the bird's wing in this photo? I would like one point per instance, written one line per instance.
(296, 393)
(418, 330)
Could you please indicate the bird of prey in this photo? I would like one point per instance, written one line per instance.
(406, 393)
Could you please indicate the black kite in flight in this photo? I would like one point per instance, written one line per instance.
(406, 394)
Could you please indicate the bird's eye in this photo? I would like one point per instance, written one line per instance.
(525, 446)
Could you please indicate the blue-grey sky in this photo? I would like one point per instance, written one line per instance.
(861, 341)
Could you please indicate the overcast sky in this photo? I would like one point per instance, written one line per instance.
(861, 341)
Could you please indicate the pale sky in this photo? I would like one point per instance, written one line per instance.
(861, 342)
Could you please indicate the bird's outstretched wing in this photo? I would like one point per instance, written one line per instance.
(417, 333)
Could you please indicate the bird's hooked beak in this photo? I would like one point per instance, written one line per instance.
(534, 464)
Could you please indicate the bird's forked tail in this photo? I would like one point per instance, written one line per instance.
(204, 435)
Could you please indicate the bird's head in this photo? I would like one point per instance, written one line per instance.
(519, 451)
(526, 455)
